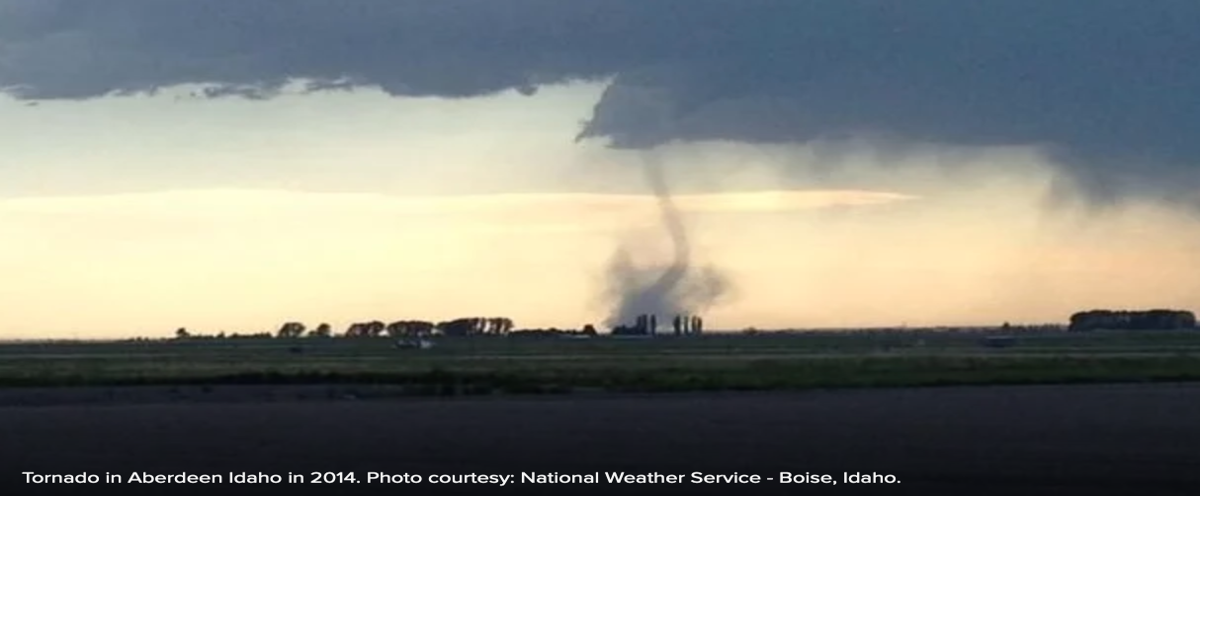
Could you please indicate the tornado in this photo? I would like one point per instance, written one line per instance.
(676, 288)
(668, 282)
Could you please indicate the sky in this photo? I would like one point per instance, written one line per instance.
(230, 165)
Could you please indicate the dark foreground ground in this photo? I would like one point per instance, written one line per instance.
(1078, 439)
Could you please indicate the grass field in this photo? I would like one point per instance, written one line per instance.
(485, 365)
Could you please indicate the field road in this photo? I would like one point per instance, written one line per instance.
(1073, 439)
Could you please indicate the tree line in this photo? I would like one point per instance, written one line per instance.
(1132, 320)
(468, 326)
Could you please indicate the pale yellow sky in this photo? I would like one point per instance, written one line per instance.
(136, 216)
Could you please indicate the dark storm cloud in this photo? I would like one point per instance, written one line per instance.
(1108, 87)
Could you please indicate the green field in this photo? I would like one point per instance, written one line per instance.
(479, 365)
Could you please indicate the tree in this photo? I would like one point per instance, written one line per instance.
(324, 330)
(457, 327)
(182, 333)
(397, 329)
(369, 329)
(292, 329)
(420, 328)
